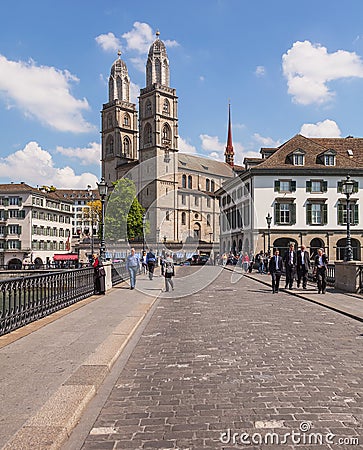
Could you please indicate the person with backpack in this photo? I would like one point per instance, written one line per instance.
(150, 261)
(169, 272)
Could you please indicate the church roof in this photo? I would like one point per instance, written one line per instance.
(204, 165)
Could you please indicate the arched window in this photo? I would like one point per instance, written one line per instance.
(127, 146)
(166, 133)
(158, 71)
(148, 134)
(207, 184)
(212, 186)
(184, 181)
(166, 107)
(126, 120)
(208, 220)
(184, 218)
(148, 109)
(109, 145)
(119, 88)
(190, 182)
(109, 121)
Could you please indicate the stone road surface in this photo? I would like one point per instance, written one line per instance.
(234, 358)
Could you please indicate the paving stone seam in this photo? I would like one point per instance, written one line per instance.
(297, 294)
(53, 423)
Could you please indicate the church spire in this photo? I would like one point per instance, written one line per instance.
(229, 153)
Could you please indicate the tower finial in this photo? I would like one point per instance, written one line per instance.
(157, 34)
(229, 153)
(119, 54)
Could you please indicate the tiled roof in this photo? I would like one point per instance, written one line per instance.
(18, 188)
(314, 148)
(75, 194)
(204, 165)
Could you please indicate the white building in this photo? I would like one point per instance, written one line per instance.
(34, 225)
(299, 185)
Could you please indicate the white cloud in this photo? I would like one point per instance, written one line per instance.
(35, 166)
(185, 147)
(43, 93)
(309, 67)
(216, 155)
(260, 71)
(86, 156)
(211, 143)
(327, 128)
(134, 92)
(108, 42)
(139, 38)
(201, 78)
(266, 141)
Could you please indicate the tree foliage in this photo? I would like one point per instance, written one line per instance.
(124, 214)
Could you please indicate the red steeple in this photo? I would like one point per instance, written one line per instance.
(229, 153)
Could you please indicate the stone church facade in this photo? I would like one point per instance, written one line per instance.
(176, 189)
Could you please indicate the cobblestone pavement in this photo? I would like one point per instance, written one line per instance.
(234, 358)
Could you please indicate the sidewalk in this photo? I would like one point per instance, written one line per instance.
(52, 368)
(350, 305)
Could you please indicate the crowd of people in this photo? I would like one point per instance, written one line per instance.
(294, 264)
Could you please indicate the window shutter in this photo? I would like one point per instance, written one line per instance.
(340, 186)
(293, 214)
(277, 186)
(355, 187)
(6, 215)
(23, 213)
(324, 186)
(308, 186)
(308, 214)
(356, 214)
(6, 202)
(324, 211)
(19, 229)
(19, 201)
(340, 213)
(277, 213)
(293, 186)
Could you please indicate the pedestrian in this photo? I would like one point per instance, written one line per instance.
(150, 261)
(252, 260)
(320, 269)
(99, 275)
(290, 266)
(133, 266)
(275, 270)
(224, 259)
(162, 265)
(245, 262)
(259, 259)
(143, 263)
(302, 266)
(169, 272)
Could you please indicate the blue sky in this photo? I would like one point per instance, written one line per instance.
(287, 68)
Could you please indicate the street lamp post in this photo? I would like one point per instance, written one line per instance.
(268, 220)
(102, 189)
(157, 240)
(347, 190)
(143, 232)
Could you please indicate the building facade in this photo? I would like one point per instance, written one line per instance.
(34, 225)
(176, 189)
(299, 186)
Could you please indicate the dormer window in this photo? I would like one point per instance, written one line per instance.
(329, 160)
(298, 159)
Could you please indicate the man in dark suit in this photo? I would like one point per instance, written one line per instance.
(320, 269)
(302, 266)
(290, 266)
(275, 266)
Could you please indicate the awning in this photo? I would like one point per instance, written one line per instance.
(65, 257)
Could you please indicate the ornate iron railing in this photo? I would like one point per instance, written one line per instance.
(330, 275)
(119, 273)
(26, 299)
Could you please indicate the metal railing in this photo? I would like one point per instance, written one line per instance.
(360, 268)
(330, 275)
(26, 299)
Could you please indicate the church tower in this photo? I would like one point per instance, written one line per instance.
(229, 152)
(119, 128)
(158, 144)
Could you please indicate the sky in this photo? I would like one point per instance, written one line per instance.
(285, 68)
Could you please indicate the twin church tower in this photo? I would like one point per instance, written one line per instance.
(176, 188)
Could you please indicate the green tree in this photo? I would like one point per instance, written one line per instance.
(124, 214)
